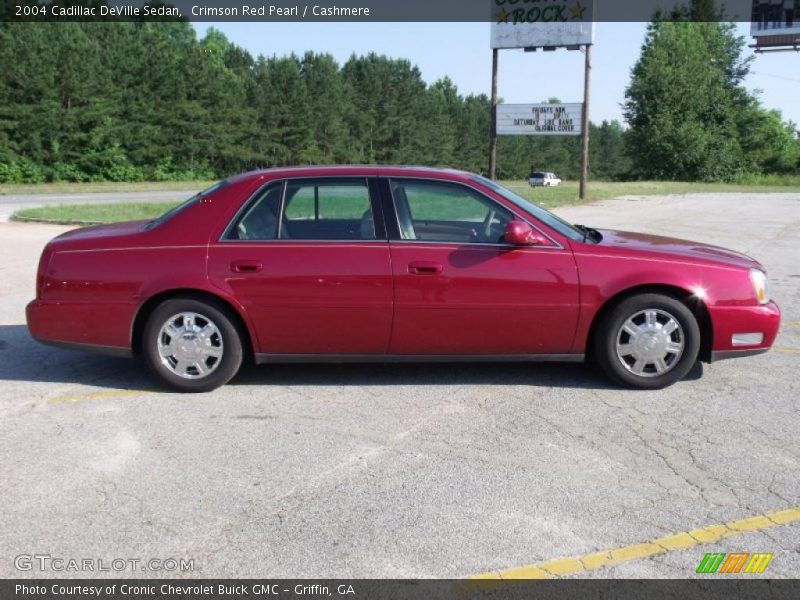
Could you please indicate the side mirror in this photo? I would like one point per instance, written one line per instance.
(519, 233)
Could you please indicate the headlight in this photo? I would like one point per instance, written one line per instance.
(760, 285)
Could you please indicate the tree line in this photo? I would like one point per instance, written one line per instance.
(130, 101)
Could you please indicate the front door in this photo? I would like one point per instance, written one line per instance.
(460, 290)
(310, 263)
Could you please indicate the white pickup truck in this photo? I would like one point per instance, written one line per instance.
(540, 179)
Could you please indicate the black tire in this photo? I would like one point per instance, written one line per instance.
(610, 331)
(226, 337)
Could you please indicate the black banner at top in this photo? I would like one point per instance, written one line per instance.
(506, 11)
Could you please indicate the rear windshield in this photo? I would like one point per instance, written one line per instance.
(185, 204)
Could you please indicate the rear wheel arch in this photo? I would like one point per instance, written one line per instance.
(692, 302)
(146, 309)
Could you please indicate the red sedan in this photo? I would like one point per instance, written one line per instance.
(387, 264)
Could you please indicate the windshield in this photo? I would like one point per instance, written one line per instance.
(545, 216)
(185, 204)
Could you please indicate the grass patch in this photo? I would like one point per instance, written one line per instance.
(63, 187)
(771, 180)
(93, 214)
(563, 195)
(567, 192)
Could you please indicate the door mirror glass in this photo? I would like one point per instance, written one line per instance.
(519, 233)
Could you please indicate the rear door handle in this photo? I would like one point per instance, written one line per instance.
(245, 266)
(424, 267)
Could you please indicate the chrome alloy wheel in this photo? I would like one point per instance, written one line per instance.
(650, 343)
(190, 345)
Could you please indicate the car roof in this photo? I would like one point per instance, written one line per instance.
(350, 170)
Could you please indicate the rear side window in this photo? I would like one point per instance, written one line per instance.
(327, 210)
(308, 210)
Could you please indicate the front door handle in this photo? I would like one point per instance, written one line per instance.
(245, 266)
(424, 267)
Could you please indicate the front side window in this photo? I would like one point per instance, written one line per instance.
(545, 216)
(443, 212)
(308, 210)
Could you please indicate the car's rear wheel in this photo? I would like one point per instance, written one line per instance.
(192, 345)
(648, 341)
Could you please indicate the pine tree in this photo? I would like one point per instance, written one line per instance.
(683, 102)
(329, 100)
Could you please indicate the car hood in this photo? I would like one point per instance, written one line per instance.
(654, 244)
(102, 231)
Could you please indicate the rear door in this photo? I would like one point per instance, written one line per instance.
(461, 290)
(309, 260)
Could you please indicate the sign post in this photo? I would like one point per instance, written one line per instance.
(587, 79)
(493, 132)
(531, 25)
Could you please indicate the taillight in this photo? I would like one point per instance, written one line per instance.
(44, 261)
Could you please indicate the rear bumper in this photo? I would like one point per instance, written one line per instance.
(744, 330)
(104, 328)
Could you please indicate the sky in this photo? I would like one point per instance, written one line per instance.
(461, 51)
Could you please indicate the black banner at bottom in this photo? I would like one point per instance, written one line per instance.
(394, 589)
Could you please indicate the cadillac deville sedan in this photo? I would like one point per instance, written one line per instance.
(383, 264)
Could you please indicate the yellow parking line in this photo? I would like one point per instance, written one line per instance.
(786, 350)
(679, 541)
(96, 396)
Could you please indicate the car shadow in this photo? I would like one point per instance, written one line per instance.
(534, 374)
(24, 359)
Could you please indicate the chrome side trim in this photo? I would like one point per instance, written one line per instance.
(476, 244)
(262, 358)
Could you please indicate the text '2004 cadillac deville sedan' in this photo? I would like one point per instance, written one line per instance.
(392, 263)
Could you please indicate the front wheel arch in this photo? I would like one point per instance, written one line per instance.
(692, 302)
(151, 303)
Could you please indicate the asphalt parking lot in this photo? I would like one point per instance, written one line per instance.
(411, 470)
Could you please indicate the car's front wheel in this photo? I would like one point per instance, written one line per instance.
(648, 341)
(192, 345)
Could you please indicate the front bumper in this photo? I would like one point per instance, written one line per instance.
(733, 323)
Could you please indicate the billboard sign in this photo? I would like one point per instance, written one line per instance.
(775, 18)
(541, 24)
(539, 119)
